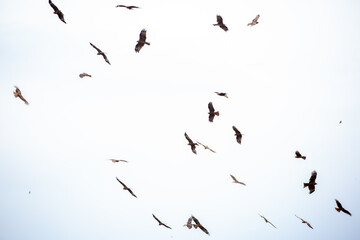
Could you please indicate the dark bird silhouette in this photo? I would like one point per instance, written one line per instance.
(298, 155)
(191, 143)
(254, 21)
(142, 41)
(236, 181)
(267, 221)
(84, 75)
(128, 7)
(116, 160)
(17, 93)
(57, 11)
(206, 147)
(303, 221)
(99, 52)
(198, 225)
(340, 122)
(312, 183)
(160, 223)
(188, 223)
(220, 23)
(237, 134)
(340, 208)
(212, 112)
(222, 94)
(126, 188)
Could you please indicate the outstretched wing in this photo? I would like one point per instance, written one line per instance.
(131, 192)
(204, 229)
(188, 138)
(105, 58)
(53, 6)
(256, 18)
(297, 154)
(219, 19)
(338, 204)
(233, 178)
(188, 224)
(121, 183)
(97, 49)
(211, 107)
(236, 130)
(313, 177)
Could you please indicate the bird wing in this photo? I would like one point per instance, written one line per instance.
(297, 154)
(211, 107)
(188, 224)
(120, 6)
(157, 219)
(224, 27)
(313, 177)
(219, 19)
(22, 98)
(130, 7)
(121, 183)
(195, 220)
(143, 35)
(309, 225)
(311, 189)
(97, 49)
(188, 138)
(236, 130)
(53, 6)
(131, 192)
(233, 178)
(338, 204)
(256, 18)
(105, 58)
(272, 224)
(204, 229)
(138, 46)
(346, 211)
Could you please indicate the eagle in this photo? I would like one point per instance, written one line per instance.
(340, 208)
(303, 221)
(254, 21)
(160, 223)
(267, 221)
(142, 41)
(128, 7)
(191, 143)
(298, 155)
(116, 160)
(17, 93)
(126, 188)
(236, 181)
(100, 53)
(188, 223)
(222, 94)
(312, 183)
(212, 112)
(237, 134)
(198, 225)
(57, 11)
(220, 23)
(206, 147)
(84, 75)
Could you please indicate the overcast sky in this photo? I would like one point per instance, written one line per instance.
(290, 80)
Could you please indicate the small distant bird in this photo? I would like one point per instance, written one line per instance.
(126, 188)
(267, 221)
(220, 23)
(100, 53)
(206, 147)
(57, 11)
(312, 183)
(237, 134)
(29, 192)
(222, 94)
(142, 41)
(116, 160)
(236, 181)
(198, 225)
(340, 208)
(84, 75)
(254, 21)
(303, 221)
(191, 143)
(212, 112)
(340, 122)
(160, 223)
(128, 7)
(298, 155)
(18, 94)
(188, 224)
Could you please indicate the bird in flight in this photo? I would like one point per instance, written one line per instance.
(220, 23)
(212, 112)
(237, 134)
(198, 225)
(206, 147)
(312, 183)
(188, 223)
(236, 181)
(267, 221)
(298, 155)
(17, 93)
(126, 188)
(340, 208)
(303, 221)
(191, 143)
(57, 11)
(128, 7)
(222, 94)
(254, 21)
(116, 160)
(84, 75)
(160, 223)
(100, 53)
(142, 41)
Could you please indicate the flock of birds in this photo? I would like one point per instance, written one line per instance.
(192, 221)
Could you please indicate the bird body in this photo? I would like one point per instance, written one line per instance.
(340, 208)
(220, 23)
(142, 41)
(311, 184)
(57, 11)
(17, 93)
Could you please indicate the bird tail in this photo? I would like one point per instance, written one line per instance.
(303, 157)
(338, 209)
(217, 113)
(147, 43)
(306, 185)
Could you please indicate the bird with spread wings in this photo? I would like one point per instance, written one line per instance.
(312, 183)
(160, 223)
(303, 221)
(206, 147)
(198, 225)
(57, 11)
(191, 143)
(117, 160)
(126, 188)
(254, 21)
(220, 23)
(142, 41)
(17, 93)
(189, 223)
(99, 52)
(237, 134)
(236, 181)
(222, 94)
(212, 112)
(267, 221)
(128, 7)
(340, 208)
(298, 155)
(84, 75)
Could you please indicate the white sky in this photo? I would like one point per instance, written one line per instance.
(290, 80)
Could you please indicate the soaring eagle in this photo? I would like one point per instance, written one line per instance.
(206, 147)
(236, 181)
(237, 134)
(222, 94)
(267, 221)
(126, 188)
(254, 21)
(340, 208)
(220, 23)
(298, 155)
(198, 225)
(100, 53)
(57, 11)
(84, 75)
(142, 41)
(128, 7)
(116, 160)
(312, 183)
(212, 112)
(191, 143)
(160, 223)
(17, 93)
(303, 221)
(188, 223)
